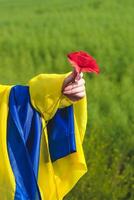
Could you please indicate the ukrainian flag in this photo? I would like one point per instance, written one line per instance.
(41, 136)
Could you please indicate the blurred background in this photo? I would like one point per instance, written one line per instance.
(35, 37)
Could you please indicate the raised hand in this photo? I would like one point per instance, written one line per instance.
(74, 86)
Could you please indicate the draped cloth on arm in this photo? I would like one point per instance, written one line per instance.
(60, 176)
(55, 177)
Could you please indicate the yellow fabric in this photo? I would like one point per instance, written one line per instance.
(58, 178)
(7, 180)
(55, 179)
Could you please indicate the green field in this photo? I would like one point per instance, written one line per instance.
(35, 37)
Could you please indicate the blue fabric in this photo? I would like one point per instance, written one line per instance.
(23, 141)
(24, 130)
(61, 136)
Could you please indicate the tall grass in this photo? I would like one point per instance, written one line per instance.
(35, 37)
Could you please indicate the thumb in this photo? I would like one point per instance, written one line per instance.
(70, 78)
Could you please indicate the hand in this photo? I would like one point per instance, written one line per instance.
(74, 86)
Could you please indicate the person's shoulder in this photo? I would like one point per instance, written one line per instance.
(4, 87)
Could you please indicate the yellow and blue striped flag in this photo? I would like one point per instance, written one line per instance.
(40, 160)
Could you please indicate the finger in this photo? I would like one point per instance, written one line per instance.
(79, 82)
(79, 95)
(75, 85)
(71, 77)
(74, 90)
(78, 76)
(76, 96)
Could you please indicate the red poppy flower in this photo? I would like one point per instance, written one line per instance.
(83, 62)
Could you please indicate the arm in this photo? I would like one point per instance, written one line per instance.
(49, 92)
(45, 93)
